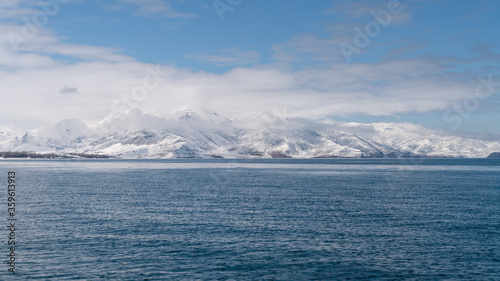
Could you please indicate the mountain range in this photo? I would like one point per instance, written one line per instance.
(189, 134)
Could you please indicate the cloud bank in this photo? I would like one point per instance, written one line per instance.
(45, 79)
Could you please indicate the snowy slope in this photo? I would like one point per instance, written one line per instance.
(189, 134)
(7, 136)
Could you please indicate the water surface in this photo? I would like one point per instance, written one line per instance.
(279, 219)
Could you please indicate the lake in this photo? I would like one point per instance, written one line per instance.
(273, 219)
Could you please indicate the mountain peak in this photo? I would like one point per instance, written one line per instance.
(186, 133)
(184, 113)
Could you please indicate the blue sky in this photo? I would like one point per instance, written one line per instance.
(424, 62)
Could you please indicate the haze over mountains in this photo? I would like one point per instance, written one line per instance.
(189, 134)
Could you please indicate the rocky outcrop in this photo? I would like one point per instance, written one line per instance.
(494, 155)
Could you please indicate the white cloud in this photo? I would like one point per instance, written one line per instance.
(153, 8)
(67, 90)
(226, 57)
(38, 50)
(361, 10)
(354, 16)
(31, 83)
(309, 47)
(33, 77)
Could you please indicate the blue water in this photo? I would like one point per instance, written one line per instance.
(322, 219)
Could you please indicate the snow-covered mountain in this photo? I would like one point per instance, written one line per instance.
(189, 134)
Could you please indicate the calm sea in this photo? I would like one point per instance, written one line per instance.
(322, 219)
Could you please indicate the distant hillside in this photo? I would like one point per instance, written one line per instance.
(35, 155)
(188, 134)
